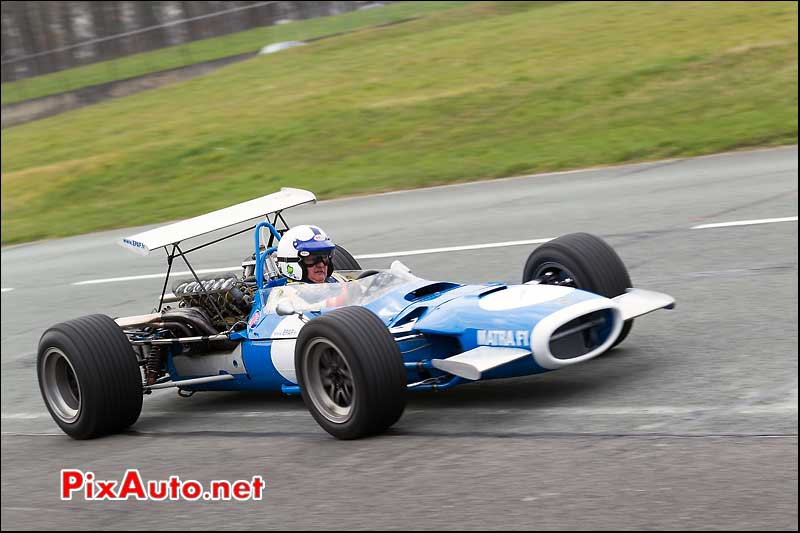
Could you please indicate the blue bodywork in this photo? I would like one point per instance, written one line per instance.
(429, 320)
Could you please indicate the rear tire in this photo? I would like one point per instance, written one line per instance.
(342, 260)
(89, 377)
(351, 373)
(588, 260)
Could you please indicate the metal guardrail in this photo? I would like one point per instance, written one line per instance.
(110, 48)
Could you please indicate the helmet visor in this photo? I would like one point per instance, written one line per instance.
(316, 258)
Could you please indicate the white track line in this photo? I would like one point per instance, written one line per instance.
(5, 289)
(363, 256)
(745, 222)
(152, 276)
(423, 251)
(452, 249)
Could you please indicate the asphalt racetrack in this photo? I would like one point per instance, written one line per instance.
(690, 424)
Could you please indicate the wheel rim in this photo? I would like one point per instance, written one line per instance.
(552, 273)
(61, 386)
(329, 380)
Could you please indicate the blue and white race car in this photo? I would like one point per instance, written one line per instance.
(353, 349)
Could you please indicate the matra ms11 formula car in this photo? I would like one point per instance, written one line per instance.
(353, 349)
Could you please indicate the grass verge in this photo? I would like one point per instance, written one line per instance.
(483, 90)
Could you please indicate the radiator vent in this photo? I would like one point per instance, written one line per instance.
(581, 335)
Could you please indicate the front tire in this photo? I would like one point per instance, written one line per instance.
(89, 377)
(583, 261)
(351, 373)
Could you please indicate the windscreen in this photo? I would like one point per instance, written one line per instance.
(306, 297)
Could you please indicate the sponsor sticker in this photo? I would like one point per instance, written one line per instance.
(131, 242)
(255, 319)
(504, 337)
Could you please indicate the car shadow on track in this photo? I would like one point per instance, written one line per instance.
(568, 386)
(267, 413)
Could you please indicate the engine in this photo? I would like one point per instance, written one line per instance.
(205, 309)
(227, 296)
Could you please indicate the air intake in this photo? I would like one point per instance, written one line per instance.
(582, 335)
(576, 333)
(433, 288)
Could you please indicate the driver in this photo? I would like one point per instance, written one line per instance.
(305, 253)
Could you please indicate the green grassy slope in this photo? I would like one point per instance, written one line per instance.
(484, 90)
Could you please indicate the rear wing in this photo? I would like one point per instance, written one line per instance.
(145, 242)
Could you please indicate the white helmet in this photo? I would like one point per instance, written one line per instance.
(303, 242)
